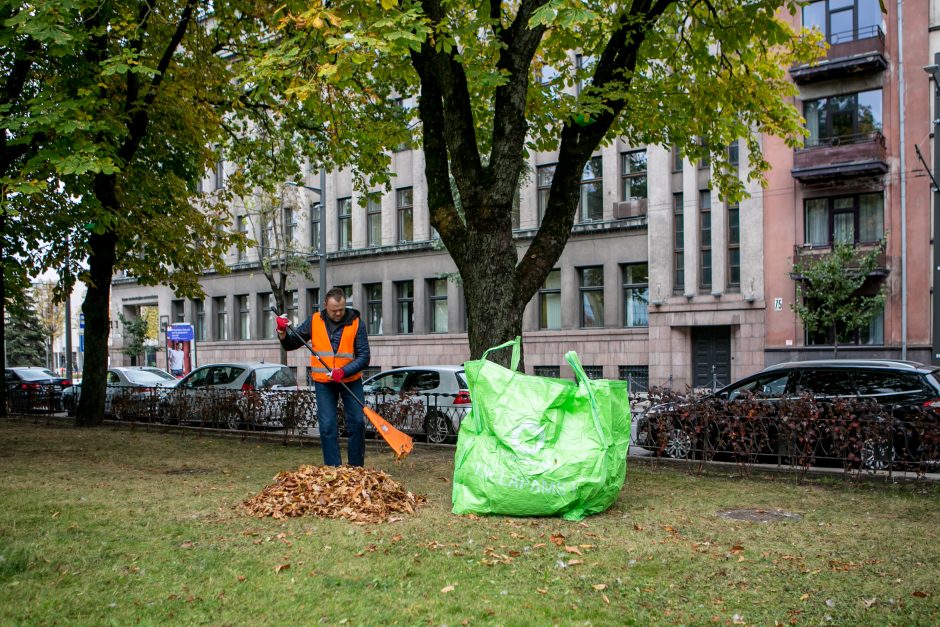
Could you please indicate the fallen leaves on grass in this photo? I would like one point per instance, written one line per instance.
(362, 495)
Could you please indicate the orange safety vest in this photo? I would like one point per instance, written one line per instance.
(320, 340)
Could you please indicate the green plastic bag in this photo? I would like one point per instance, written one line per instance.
(537, 446)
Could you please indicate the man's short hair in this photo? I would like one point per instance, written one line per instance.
(335, 293)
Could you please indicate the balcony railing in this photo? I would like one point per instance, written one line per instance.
(850, 52)
(840, 157)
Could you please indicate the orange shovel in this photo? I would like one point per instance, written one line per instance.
(400, 442)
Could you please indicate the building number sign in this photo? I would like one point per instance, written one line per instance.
(778, 304)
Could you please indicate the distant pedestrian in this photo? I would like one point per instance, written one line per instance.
(175, 357)
(338, 336)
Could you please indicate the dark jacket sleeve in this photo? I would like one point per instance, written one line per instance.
(291, 341)
(363, 356)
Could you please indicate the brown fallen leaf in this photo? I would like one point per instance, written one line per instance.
(637, 527)
(606, 600)
(737, 548)
(575, 562)
(281, 567)
(242, 578)
(557, 538)
(669, 529)
(919, 594)
(804, 596)
(541, 590)
(599, 586)
(448, 588)
(573, 549)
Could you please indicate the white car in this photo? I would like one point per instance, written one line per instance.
(132, 392)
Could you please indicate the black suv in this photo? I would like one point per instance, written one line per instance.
(903, 388)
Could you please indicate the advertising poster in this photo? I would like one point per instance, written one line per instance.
(180, 349)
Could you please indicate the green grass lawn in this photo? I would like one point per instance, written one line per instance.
(116, 526)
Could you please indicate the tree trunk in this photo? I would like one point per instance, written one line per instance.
(96, 309)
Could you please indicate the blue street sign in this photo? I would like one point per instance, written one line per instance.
(81, 321)
(81, 342)
(180, 332)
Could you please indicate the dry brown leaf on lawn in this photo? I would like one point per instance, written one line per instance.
(281, 567)
(575, 562)
(804, 596)
(637, 527)
(557, 538)
(919, 594)
(606, 600)
(586, 546)
(242, 578)
(541, 590)
(448, 588)
(737, 548)
(669, 529)
(573, 549)
(599, 586)
(540, 545)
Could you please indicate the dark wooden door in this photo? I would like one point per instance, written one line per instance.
(711, 356)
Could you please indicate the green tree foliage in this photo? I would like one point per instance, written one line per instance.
(26, 341)
(829, 294)
(494, 80)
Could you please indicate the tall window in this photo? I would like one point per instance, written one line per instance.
(636, 295)
(374, 221)
(437, 295)
(872, 335)
(406, 306)
(241, 225)
(315, 226)
(734, 245)
(843, 119)
(550, 301)
(637, 377)
(734, 156)
(844, 20)
(244, 317)
(592, 191)
(374, 308)
(199, 306)
(290, 225)
(678, 243)
(585, 64)
(405, 203)
(544, 184)
(592, 296)
(344, 215)
(705, 230)
(266, 302)
(844, 219)
(176, 311)
(633, 175)
(218, 176)
(313, 298)
(221, 318)
(292, 302)
(677, 161)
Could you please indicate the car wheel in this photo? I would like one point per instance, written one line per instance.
(678, 444)
(234, 421)
(437, 428)
(877, 454)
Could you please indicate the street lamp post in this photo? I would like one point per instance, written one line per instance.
(321, 248)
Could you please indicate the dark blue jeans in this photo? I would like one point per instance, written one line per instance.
(328, 395)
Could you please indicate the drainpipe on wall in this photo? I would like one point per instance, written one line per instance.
(903, 167)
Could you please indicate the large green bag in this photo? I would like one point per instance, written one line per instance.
(537, 446)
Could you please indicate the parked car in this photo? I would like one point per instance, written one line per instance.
(238, 395)
(131, 392)
(426, 400)
(32, 388)
(903, 390)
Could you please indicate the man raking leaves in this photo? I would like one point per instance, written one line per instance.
(339, 352)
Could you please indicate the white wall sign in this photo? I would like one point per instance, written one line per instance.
(778, 304)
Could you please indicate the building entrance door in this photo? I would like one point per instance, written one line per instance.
(711, 357)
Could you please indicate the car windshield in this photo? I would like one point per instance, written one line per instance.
(462, 380)
(269, 377)
(144, 377)
(35, 375)
(163, 374)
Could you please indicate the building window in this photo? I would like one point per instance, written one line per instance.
(592, 296)
(544, 185)
(843, 119)
(437, 295)
(405, 203)
(374, 221)
(241, 226)
(221, 318)
(550, 301)
(244, 317)
(374, 308)
(844, 220)
(313, 298)
(176, 311)
(218, 175)
(734, 156)
(872, 335)
(637, 377)
(315, 226)
(678, 243)
(591, 204)
(734, 245)
(841, 21)
(199, 306)
(290, 226)
(292, 302)
(633, 175)
(678, 162)
(585, 65)
(344, 216)
(547, 371)
(705, 230)
(405, 294)
(594, 372)
(267, 301)
(636, 295)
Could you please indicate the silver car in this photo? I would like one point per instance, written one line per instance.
(131, 392)
(426, 400)
(239, 395)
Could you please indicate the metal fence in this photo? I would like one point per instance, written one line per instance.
(801, 432)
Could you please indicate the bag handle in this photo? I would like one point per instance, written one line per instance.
(515, 343)
(575, 362)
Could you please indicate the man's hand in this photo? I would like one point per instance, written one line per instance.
(337, 375)
(282, 321)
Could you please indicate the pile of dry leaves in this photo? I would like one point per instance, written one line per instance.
(357, 494)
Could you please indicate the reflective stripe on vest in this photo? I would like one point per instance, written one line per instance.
(320, 340)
